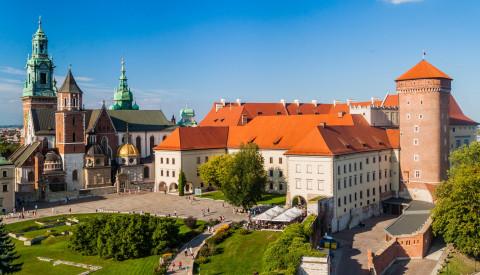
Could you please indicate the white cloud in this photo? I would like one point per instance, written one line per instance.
(83, 78)
(396, 2)
(154, 92)
(11, 80)
(10, 70)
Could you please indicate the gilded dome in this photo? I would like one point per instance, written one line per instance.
(127, 150)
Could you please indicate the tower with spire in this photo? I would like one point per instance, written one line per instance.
(123, 97)
(187, 117)
(39, 91)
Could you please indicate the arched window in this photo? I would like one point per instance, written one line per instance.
(105, 145)
(65, 102)
(74, 121)
(74, 175)
(45, 143)
(74, 137)
(30, 176)
(146, 172)
(138, 143)
(152, 144)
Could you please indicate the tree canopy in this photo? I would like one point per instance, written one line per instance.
(182, 180)
(7, 253)
(240, 176)
(457, 214)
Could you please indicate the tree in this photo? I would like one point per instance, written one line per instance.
(182, 180)
(244, 178)
(7, 254)
(213, 171)
(457, 214)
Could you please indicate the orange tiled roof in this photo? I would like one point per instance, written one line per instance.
(342, 139)
(195, 138)
(423, 69)
(394, 137)
(456, 115)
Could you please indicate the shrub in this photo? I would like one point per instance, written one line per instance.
(243, 231)
(200, 229)
(190, 222)
(307, 230)
(213, 222)
(207, 250)
(201, 260)
(223, 228)
(160, 270)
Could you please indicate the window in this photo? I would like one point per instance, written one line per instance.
(466, 141)
(271, 185)
(355, 166)
(309, 184)
(198, 160)
(385, 171)
(298, 183)
(161, 173)
(350, 181)
(415, 157)
(173, 160)
(168, 173)
(379, 158)
(43, 78)
(74, 121)
(161, 160)
(408, 116)
(350, 198)
(309, 169)
(320, 169)
(373, 175)
(373, 191)
(416, 128)
(344, 182)
(345, 200)
(270, 172)
(385, 157)
(320, 184)
(271, 159)
(74, 137)
(361, 194)
(379, 174)
(298, 168)
(361, 166)
(386, 188)
(458, 142)
(344, 168)
(206, 160)
(366, 160)
(339, 202)
(4, 174)
(74, 175)
(420, 116)
(368, 192)
(5, 188)
(374, 159)
(338, 170)
(349, 167)
(361, 178)
(368, 176)
(138, 144)
(280, 187)
(355, 196)
(355, 179)
(146, 172)
(453, 129)
(339, 184)
(280, 173)
(280, 160)
(415, 141)
(167, 160)
(173, 173)
(417, 173)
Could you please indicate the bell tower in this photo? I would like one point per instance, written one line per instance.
(39, 91)
(70, 131)
(424, 107)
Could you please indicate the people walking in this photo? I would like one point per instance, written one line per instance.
(186, 251)
(179, 265)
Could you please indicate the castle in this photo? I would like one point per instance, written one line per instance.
(65, 147)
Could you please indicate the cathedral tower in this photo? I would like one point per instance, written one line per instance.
(123, 97)
(424, 105)
(70, 131)
(39, 91)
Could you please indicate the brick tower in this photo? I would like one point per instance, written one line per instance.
(39, 91)
(424, 105)
(70, 131)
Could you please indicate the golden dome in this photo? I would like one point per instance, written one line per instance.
(127, 150)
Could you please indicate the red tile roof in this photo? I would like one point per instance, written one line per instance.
(342, 139)
(456, 115)
(394, 137)
(423, 69)
(195, 138)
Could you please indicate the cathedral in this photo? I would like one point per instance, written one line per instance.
(65, 147)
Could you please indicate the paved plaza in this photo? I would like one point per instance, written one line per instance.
(148, 202)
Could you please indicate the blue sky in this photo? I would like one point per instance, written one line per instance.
(259, 51)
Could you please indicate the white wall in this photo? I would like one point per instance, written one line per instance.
(74, 162)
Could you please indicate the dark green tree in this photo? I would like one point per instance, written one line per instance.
(457, 214)
(7, 253)
(182, 180)
(213, 171)
(244, 179)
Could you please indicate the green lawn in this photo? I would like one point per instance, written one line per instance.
(239, 254)
(268, 198)
(57, 249)
(459, 264)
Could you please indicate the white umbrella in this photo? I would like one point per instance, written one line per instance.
(289, 215)
(269, 214)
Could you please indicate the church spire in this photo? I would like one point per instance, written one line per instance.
(123, 97)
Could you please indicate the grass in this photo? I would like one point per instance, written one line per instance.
(459, 263)
(239, 254)
(268, 198)
(57, 249)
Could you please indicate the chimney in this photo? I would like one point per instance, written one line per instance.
(340, 114)
(296, 101)
(284, 102)
(335, 102)
(323, 124)
(374, 99)
(350, 101)
(222, 100)
(314, 102)
(239, 102)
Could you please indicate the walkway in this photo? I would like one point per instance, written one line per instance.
(148, 202)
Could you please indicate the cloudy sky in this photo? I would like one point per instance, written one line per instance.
(259, 51)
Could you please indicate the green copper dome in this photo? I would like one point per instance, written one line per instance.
(123, 96)
(187, 117)
(3, 161)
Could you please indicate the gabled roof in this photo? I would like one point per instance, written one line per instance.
(140, 120)
(195, 138)
(43, 121)
(394, 137)
(342, 139)
(423, 69)
(456, 115)
(70, 85)
(91, 117)
(26, 152)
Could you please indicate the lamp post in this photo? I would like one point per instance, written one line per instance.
(475, 249)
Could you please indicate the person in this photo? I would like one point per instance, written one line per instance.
(173, 265)
(186, 251)
(36, 207)
(186, 268)
(53, 210)
(223, 204)
(70, 210)
(179, 265)
(175, 213)
(191, 250)
(208, 209)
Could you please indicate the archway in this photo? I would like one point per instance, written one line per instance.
(162, 186)
(173, 187)
(188, 187)
(298, 200)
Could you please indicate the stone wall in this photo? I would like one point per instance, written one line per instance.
(314, 266)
